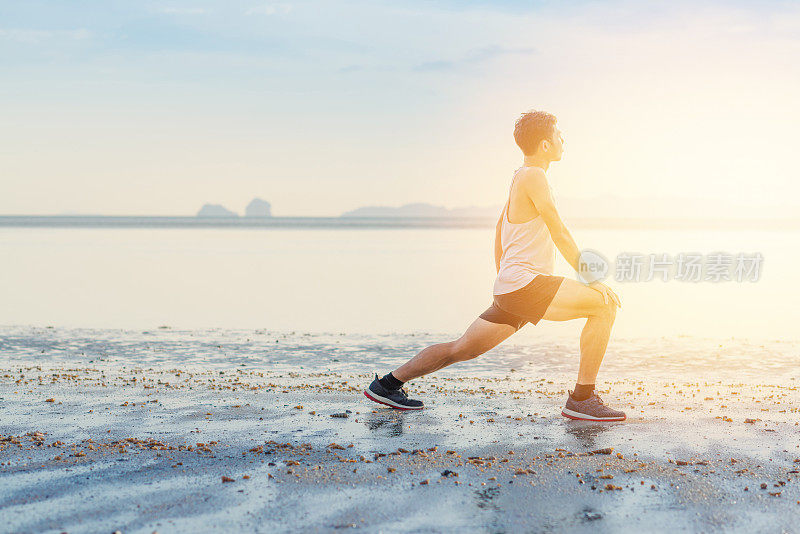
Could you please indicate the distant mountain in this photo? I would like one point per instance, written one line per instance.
(600, 207)
(215, 210)
(421, 209)
(258, 208)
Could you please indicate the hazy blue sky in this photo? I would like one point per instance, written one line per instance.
(320, 106)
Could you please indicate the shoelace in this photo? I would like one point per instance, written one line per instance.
(599, 401)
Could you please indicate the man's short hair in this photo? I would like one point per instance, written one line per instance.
(533, 127)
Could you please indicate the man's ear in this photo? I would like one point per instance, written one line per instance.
(545, 145)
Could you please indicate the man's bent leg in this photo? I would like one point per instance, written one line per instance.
(480, 337)
(574, 300)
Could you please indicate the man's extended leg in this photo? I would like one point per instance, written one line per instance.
(481, 336)
(574, 300)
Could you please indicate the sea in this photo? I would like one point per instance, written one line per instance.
(386, 286)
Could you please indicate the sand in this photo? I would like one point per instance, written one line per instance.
(122, 444)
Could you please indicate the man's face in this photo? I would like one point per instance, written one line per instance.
(556, 146)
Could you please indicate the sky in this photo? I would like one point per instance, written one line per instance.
(319, 107)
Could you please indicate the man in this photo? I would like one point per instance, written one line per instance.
(525, 290)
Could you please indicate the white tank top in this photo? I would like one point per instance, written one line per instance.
(528, 251)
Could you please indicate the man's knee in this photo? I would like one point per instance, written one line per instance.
(606, 311)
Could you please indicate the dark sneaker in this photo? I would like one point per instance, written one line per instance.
(396, 398)
(591, 409)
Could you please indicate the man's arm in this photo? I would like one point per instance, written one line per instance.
(534, 184)
(498, 247)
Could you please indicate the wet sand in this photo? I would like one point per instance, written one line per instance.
(96, 440)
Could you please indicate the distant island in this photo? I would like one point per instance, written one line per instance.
(607, 207)
(257, 208)
(421, 209)
(260, 208)
(215, 210)
(602, 207)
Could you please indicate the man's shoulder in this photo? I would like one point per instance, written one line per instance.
(533, 177)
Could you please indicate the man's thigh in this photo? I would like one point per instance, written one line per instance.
(573, 300)
(483, 335)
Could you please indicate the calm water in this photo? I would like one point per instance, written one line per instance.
(364, 280)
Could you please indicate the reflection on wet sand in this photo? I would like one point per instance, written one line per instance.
(587, 432)
(388, 421)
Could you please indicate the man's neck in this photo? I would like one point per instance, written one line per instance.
(536, 161)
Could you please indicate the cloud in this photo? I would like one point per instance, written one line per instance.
(183, 10)
(28, 36)
(473, 57)
(479, 55)
(352, 68)
(269, 9)
(435, 65)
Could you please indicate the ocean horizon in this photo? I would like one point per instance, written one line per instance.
(344, 222)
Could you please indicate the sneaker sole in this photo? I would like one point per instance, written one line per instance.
(382, 400)
(578, 416)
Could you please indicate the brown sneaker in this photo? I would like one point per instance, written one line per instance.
(591, 409)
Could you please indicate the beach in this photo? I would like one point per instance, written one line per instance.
(172, 430)
(222, 222)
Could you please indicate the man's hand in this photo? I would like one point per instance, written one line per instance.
(606, 292)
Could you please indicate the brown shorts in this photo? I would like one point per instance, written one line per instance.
(525, 305)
